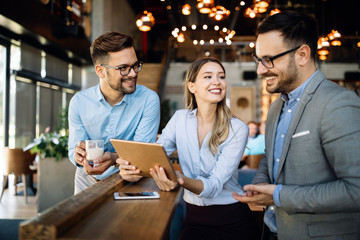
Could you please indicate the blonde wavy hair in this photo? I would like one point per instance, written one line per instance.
(220, 129)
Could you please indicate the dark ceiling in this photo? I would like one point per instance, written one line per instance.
(341, 15)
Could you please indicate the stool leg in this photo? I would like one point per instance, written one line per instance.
(5, 178)
(15, 183)
(25, 186)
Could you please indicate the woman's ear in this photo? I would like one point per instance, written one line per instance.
(191, 87)
(100, 71)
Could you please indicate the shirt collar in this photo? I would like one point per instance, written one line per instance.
(297, 92)
(193, 112)
(128, 98)
(98, 94)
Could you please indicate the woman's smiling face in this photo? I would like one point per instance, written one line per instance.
(210, 84)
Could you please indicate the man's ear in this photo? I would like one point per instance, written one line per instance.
(100, 71)
(303, 55)
(191, 87)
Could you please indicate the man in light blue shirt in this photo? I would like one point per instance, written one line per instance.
(116, 108)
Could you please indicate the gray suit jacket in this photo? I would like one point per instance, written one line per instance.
(319, 165)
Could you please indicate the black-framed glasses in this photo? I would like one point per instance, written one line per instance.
(268, 61)
(125, 69)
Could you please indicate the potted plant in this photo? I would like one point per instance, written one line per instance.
(55, 172)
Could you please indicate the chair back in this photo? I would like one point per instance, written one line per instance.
(252, 161)
(17, 161)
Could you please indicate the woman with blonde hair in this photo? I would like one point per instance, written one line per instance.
(210, 142)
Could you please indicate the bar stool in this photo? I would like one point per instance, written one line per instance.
(17, 162)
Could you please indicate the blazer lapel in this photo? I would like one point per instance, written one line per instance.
(305, 98)
(272, 120)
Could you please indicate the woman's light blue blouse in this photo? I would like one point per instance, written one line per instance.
(218, 173)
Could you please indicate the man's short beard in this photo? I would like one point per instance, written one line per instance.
(286, 85)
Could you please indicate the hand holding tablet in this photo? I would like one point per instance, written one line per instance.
(144, 156)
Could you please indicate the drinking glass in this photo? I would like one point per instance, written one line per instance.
(94, 149)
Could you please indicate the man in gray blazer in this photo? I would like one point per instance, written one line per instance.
(309, 178)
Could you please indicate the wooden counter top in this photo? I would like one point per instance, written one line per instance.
(94, 214)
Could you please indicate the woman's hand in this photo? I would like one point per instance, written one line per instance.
(162, 181)
(128, 172)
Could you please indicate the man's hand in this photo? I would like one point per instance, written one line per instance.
(128, 172)
(80, 153)
(101, 164)
(261, 194)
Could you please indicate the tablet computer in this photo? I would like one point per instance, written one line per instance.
(144, 156)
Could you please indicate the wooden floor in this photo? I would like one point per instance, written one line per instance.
(14, 207)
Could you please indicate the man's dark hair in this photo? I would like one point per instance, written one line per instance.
(107, 43)
(296, 28)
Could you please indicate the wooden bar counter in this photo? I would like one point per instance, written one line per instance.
(94, 214)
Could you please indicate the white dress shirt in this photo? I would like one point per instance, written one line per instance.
(218, 173)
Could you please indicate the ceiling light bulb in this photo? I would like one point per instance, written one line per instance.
(183, 28)
(323, 52)
(212, 41)
(274, 11)
(202, 42)
(193, 27)
(251, 45)
(336, 43)
(205, 6)
(216, 28)
(181, 38)
(175, 34)
(336, 34)
(261, 4)
(145, 21)
(195, 42)
(219, 13)
(205, 27)
(221, 40)
(186, 9)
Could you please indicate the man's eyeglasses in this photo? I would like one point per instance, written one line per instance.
(268, 61)
(125, 69)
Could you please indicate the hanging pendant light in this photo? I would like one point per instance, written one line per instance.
(205, 6)
(250, 12)
(334, 36)
(261, 6)
(180, 38)
(145, 21)
(274, 11)
(186, 9)
(219, 13)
